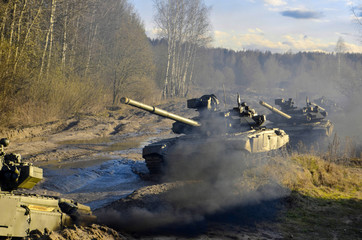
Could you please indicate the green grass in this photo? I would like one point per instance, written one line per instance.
(326, 200)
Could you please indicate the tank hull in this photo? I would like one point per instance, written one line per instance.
(158, 155)
(22, 213)
(306, 132)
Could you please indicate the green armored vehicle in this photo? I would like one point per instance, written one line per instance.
(307, 124)
(212, 132)
(23, 213)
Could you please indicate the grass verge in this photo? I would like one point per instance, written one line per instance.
(326, 200)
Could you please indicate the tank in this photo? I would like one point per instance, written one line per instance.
(236, 130)
(21, 213)
(307, 124)
(330, 105)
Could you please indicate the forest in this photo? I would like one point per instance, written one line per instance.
(65, 57)
(62, 57)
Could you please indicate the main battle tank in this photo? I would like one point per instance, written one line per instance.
(307, 124)
(22, 213)
(212, 131)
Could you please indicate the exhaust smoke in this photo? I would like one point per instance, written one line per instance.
(201, 185)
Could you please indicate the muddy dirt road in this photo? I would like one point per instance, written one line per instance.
(96, 160)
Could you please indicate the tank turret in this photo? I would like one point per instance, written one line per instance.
(14, 173)
(239, 128)
(20, 212)
(210, 120)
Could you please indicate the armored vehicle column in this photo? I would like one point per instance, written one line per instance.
(237, 130)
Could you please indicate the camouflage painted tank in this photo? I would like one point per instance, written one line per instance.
(21, 213)
(212, 131)
(306, 124)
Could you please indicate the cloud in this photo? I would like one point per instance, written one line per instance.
(305, 43)
(302, 14)
(353, 48)
(254, 39)
(349, 3)
(256, 30)
(275, 2)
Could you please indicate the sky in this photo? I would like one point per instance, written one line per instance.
(276, 25)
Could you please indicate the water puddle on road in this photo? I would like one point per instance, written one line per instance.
(101, 177)
(100, 150)
(97, 185)
(106, 144)
(54, 165)
(100, 140)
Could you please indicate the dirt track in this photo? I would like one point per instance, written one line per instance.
(93, 160)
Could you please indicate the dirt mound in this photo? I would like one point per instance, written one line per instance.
(77, 232)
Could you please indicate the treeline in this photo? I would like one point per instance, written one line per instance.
(312, 72)
(60, 57)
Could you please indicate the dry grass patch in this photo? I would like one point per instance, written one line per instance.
(326, 199)
(320, 178)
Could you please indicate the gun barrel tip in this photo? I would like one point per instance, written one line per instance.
(124, 100)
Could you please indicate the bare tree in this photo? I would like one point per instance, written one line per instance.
(185, 26)
(340, 49)
(48, 40)
(357, 12)
(64, 56)
(341, 46)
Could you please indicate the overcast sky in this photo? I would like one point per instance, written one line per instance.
(276, 25)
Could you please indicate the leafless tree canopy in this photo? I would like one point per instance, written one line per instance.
(185, 25)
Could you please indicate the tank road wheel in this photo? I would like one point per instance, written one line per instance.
(155, 164)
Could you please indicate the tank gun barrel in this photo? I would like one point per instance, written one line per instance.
(316, 105)
(159, 112)
(275, 109)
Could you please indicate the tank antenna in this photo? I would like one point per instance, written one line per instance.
(239, 100)
(223, 86)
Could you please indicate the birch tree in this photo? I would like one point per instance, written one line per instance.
(185, 26)
(48, 41)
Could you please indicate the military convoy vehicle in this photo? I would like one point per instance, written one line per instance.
(307, 124)
(239, 129)
(22, 213)
(328, 104)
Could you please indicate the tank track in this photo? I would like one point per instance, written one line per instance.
(155, 164)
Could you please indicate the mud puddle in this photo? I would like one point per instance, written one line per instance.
(105, 144)
(95, 185)
(100, 178)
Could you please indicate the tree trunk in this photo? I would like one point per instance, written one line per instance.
(51, 30)
(192, 62)
(12, 29)
(3, 24)
(74, 44)
(19, 28)
(65, 29)
(27, 36)
(114, 88)
(92, 34)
